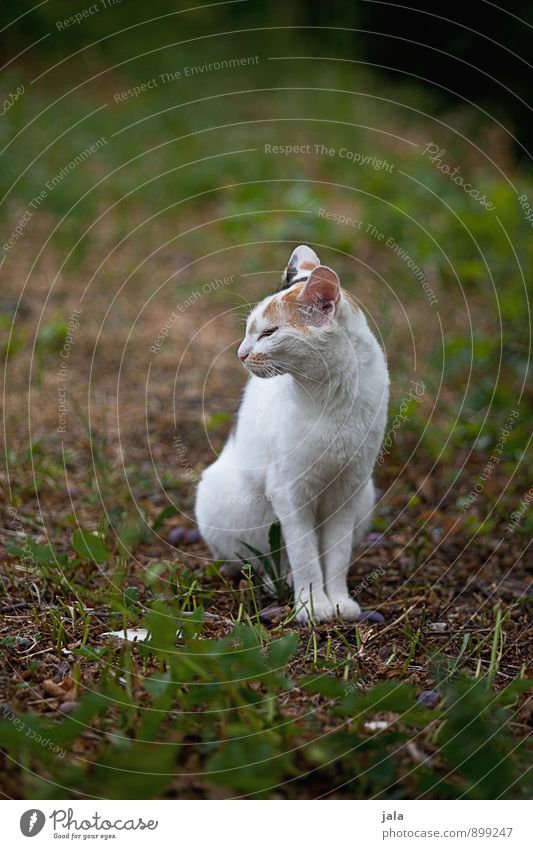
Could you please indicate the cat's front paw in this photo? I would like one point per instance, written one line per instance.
(346, 608)
(319, 610)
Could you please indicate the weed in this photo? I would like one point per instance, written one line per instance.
(270, 570)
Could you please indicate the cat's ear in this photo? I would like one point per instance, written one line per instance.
(300, 266)
(322, 290)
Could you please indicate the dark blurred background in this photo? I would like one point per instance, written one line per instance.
(474, 51)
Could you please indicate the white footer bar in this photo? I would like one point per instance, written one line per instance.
(268, 824)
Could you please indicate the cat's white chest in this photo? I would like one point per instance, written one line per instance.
(317, 448)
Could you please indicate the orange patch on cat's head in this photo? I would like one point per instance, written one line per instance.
(306, 304)
(287, 309)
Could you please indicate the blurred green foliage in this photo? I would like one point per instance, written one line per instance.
(188, 156)
(223, 695)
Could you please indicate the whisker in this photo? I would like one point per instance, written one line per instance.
(301, 373)
(305, 389)
(243, 302)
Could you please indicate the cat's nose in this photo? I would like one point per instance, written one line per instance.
(244, 350)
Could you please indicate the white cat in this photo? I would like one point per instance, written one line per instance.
(305, 442)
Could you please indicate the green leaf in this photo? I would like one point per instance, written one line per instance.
(131, 597)
(249, 764)
(153, 572)
(41, 553)
(166, 513)
(327, 685)
(274, 541)
(263, 559)
(218, 419)
(386, 696)
(513, 690)
(131, 532)
(162, 624)
(282, 650)
(475, 741)
(93, 653)
(90, 547)
(51, 337)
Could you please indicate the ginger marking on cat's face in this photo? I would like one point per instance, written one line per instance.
(299, 312)
(306, 304)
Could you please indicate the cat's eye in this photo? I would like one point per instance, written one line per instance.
(268, 332)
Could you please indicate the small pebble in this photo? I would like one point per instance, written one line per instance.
(192, 537)
(375, 538)
(438, 627)
(272, 615)
(376, 725)
(176, 536)
(371, 616)
(183, 536)
(231, 573)
(429, 698)
(68, 707)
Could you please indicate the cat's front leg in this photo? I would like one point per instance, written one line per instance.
(301, 543)
(336, 549)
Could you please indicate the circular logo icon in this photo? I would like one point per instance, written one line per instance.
(32, 822)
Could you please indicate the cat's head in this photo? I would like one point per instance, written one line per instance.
(289, 331)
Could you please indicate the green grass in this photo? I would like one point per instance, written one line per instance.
(153, 700)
